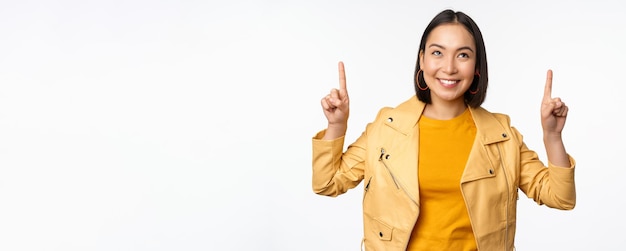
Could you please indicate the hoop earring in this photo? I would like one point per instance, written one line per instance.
(477, 88)
(418, 81)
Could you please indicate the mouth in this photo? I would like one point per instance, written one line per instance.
(448, 82)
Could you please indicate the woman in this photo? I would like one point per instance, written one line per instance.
(440, 172)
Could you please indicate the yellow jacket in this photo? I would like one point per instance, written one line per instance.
(385, 156)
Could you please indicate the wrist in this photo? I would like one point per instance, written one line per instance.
(552, 136)
(337, 127)
(335, 130)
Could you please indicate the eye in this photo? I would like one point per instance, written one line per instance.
(463, 55)
(436, 53)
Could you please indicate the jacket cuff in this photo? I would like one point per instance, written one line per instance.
(571, 166)
(563, 181)
(334, 143)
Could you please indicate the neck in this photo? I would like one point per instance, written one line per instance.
(444, 111)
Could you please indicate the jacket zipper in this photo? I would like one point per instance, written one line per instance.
(367, 187)
(382, 153)
(393, 177)
(508, 198)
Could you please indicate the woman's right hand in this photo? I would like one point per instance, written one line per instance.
(336, 106)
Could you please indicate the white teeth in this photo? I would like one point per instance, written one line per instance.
(448, 82)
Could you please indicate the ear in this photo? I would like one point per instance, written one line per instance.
(421, 58)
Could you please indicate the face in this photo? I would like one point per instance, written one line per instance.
(448, 63)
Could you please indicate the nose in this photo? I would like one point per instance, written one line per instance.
(449, 65)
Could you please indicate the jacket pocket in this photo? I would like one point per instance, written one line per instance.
(382, 230)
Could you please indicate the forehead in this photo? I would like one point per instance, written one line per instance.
(451, 36)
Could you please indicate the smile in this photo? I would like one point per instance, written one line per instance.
(448, 83)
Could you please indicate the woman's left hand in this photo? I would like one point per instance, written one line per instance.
(553, 110)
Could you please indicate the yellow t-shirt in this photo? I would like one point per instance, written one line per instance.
(444, 147)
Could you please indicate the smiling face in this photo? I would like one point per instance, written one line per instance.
(448, 63)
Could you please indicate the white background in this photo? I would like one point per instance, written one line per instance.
(187, 125)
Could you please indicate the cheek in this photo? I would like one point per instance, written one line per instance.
(430, 67)
(467, 70)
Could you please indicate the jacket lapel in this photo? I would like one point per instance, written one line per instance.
(483, 160)
(403, 120)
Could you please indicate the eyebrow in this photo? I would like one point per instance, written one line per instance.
(460, 49)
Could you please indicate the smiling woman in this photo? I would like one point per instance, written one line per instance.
(449, 62)
(186, 125)
(441, 172)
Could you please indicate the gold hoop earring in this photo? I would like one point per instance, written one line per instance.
(418, 80)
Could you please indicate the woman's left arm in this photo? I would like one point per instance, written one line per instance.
(553, 116)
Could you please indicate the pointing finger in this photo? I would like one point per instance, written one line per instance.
(547, 92)
(342, 78)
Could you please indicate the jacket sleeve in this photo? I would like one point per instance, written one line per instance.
(335, 172)
(553, 185)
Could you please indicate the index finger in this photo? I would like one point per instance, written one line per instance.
(547, 91)
(342, 76)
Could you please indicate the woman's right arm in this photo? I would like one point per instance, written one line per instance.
(333, 171)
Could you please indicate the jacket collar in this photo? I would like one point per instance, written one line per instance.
(488, 128)
(407, 114)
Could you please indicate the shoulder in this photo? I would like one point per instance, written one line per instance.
(492, 126)
(402, 117)
(411, 106)
(483, 114)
